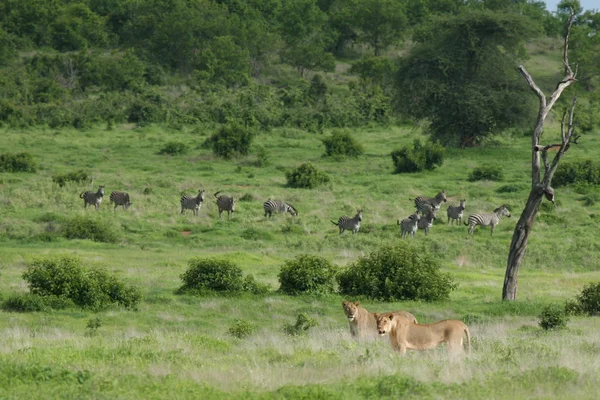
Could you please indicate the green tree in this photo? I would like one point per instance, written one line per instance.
(380, 23)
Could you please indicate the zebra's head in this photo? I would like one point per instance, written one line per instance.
(292, 210)
(201, 194)
(431, 214)
(416, 217)
(101, 190)
(502, 211)
(462, 204)
(441, 196)
(358, 215)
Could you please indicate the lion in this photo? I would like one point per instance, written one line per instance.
(362, 323)
(404, 334)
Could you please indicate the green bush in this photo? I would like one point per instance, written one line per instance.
(577, 172)
(241, 329)
(174, 148)
(212, 274)
(19, 162)
(251, 285)
(231, 140)
(589, 299)
(65, 277)
(307, 274)
(76, 176)
(510, 188)
(341, 143)
(553, 317)
(486, 172)
(419, 158)
(394, 273)
(306, 176)
(28, 302)
(85, 227)
(303, 323)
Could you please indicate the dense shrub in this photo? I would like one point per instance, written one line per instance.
(577, 172)
(84, 227)
(65, 277)
(589, 299)
(303, 323)
(19, 162)
(212, 274)
(76, 176)
(174, 148)
(419, 158)
(28, 302)
(341, 143)
(306, 176)
(392, 273)
(307, 274)
(553, 317)
(510, 188)
(241, 329)
(231, 140)
(251, 285)
(486, 172)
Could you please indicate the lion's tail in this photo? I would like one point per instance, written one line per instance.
(468, 340)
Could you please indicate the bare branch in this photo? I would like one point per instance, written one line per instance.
(532, 85)
(562, 125)
(564, 147)
(568, 70)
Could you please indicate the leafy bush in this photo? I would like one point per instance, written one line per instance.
(510, 188)
(91, 328)
(241, 329)
(306, 176)
(589, 299)
(174, 148)
(84, 227)
(582, 172)
(65, 277)
(303, 323)
(212, 274)
(251, 285)
(393, 273)
(486, 172)
(28, 302)
(19, 162)
(76, 176)
(307, 274)
(553, 317)
(419, 158)
(589, 199)
(231, 140)
(342, 144)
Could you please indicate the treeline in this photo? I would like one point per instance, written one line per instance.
(256, 62)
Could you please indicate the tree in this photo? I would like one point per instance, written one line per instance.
(460, 76)
(380, 23)
(540, 187)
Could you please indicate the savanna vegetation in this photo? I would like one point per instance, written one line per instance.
(332, 106)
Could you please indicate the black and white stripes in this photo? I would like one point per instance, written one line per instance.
(92, 198)
(424, 204)
(192, 203)
(347, 223)
(120, 199)
(275, 206)
(409, 226)
(456, 212)
(426, 221)
(225, 203)
(487, 219)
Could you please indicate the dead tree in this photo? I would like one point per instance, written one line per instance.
(540, 186)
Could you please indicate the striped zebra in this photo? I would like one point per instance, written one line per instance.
(275, 206)
(423, 204)
(409, 226)
(120, 199)
(92, 198)
(349, 223)
(426, 222)
(192, 203)
(456, 212)
(487, 219)
(225, 203)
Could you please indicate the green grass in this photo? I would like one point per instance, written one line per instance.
(178, 346)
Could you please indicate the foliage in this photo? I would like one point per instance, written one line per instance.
(395, 273)
(19, 162)
(488, 172)
(63, 276)
(306, 176)
(307, 274)
(553, 317)
(251, 285)
(241, 329)
(378, 70)
(420, 157)
(174, 148)
(75, 176)
(341, 143)
(91, 328)
(92, 228)
(577, 172)
(379, 23)
(212, 274)
(231, 140)
(303, 323)
(589, 299)
(29, 302)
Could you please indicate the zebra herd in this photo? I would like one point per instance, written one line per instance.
(422, 219)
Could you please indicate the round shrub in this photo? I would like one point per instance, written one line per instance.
(303, 323)
(307, 274)
(394, 273)
(84, 227)
(589, 299)
(241, 329)
(212, 274)
(20, 162)
(76, 176)
(582, 172)
(174, 148)
(486, 172)
(342, 144)
(419, 158)
(553, 317)
(231, 140)
(306, 176)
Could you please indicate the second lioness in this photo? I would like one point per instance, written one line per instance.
(362, 323)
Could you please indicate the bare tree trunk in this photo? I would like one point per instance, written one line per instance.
(540, 188)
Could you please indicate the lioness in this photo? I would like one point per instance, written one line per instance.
(404, 334)
(362, 323)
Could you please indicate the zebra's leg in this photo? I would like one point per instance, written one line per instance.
(182, 209)
(471, 228)
(492, 233)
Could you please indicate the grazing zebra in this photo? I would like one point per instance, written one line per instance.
(409, 226)
(426, 222)
(487, 219)
(424, 204)
(456, 212)
(92, 198)
(192, 203)
(225, 203)
(349, 223)
(275, 206)
(120, 199)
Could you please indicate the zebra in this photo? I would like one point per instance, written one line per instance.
(275, 206)
(192, 203)
(409, 226)
(120, 199)
(423, 204)
(225, 203)
(349, 223)
(456, 212)
(92, 198)
(426, 222)
(487, 219)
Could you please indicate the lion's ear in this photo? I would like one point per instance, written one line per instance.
(376, 315)
(344, 302)
(391, 316)
(356, 303)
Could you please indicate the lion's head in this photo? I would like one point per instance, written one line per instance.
(384, 323)
(350, 309)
